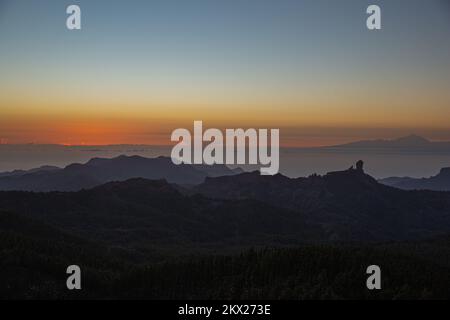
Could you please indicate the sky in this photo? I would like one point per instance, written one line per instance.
(139, 69)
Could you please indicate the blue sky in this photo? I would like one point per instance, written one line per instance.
(312, 60)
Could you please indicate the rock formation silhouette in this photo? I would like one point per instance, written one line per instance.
(360, 166)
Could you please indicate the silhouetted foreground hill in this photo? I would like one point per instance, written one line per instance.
(34, 257)
(139, 213)
(245, 209)
(101, 170)
(151, 239)
(439, 182)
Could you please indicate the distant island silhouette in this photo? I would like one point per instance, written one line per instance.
(411, 141)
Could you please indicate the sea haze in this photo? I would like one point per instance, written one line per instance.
(410, 156)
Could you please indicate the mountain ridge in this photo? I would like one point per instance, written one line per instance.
(246, 208)
(439, 182)
(346, 201)
(97, 171)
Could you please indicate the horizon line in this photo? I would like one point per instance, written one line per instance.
(171, 145)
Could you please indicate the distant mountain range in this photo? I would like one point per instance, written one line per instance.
(16, 173)
(383, 156)
(97, 171)
(439, 182)
(102, 170)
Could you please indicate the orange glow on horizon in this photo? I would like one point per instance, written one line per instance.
(310, 125)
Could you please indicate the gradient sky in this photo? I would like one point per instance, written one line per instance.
(139, 69)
